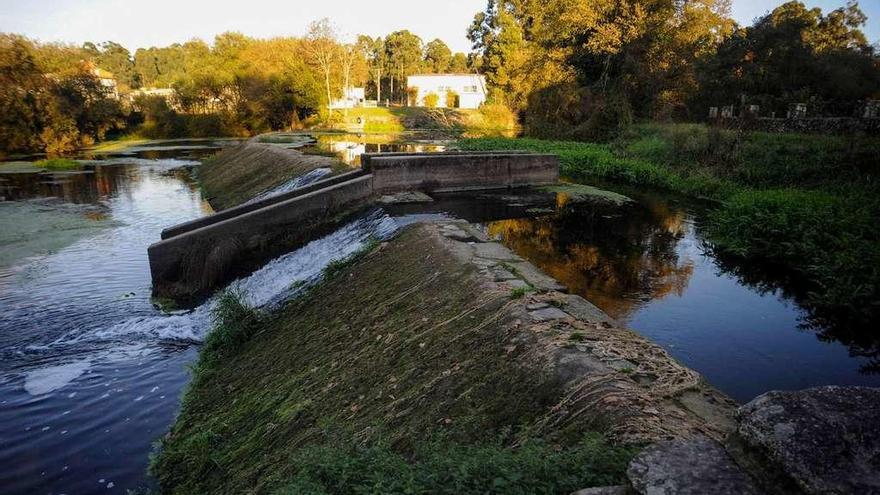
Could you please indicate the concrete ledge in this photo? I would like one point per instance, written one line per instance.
(462, 171)
(190, 264)
(241, 210)
(366, 158)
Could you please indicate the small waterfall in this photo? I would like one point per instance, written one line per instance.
(296, 182)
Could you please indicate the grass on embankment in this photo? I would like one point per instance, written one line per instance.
(488, 120)
(807, 203)
(237, 174)
(394, 375)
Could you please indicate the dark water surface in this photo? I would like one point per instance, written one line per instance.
(90, 371)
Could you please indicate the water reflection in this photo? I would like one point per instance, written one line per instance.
(615, 256)
(349, 147)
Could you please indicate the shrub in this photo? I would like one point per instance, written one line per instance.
(452, 99)
(234, 324)
(431, 100)
(58, 164)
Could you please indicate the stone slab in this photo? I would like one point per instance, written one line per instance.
(548, 314)
(695, 466)
(494, 251)
(826, 439)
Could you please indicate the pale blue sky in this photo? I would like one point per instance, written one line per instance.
(161, 22)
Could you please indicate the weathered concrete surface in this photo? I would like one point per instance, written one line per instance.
(249, 207)
(825, 439)
(460, 172)
(694, 466)
(190, 264)
(367, 157)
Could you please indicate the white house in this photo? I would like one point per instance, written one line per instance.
(451, 90)
(351, 98)
(107, 79)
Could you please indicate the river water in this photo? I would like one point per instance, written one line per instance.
(91, 372)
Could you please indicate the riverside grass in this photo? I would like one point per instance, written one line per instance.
(342, 391)
(808, 204)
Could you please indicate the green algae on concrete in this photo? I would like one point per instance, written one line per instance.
(583, 193)
(38, 228)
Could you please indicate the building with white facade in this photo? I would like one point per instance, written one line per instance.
(351, 98)
(447, 90)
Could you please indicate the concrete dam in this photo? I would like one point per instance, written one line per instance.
(195, 257)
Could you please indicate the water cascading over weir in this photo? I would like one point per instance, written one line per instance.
(197, 256)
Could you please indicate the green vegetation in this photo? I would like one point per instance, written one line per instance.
(411, 388)
(489, 120)
(805, 203)
(447, 468)
(239, 173)
(57, 164)
(584, 70)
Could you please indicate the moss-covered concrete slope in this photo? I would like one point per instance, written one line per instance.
(438, 362)
(235, 175)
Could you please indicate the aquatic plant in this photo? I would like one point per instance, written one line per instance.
(57, 164)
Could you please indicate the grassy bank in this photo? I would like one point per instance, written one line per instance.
(237, 174)
(806, 203)
(400, 373)
(489, 120)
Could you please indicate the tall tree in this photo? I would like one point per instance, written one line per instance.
(437, 56)
(323, 50)
(374, 52)
(403, 52)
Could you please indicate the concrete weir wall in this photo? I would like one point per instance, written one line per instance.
(195, 257)
(247, 208)
(461, 172)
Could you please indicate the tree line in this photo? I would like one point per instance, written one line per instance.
(585, 69)
(52, 100)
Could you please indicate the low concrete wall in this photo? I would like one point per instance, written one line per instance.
(366, 158)
(461, 171)
(195, 257)
(241, 210)
(194, 262)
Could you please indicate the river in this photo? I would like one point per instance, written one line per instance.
(91, 371)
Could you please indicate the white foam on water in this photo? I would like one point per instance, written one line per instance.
(295, 183)
(265, 288)
(44, 380)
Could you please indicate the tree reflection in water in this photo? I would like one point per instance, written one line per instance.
(617, 257)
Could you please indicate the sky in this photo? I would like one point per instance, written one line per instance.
(137, 24)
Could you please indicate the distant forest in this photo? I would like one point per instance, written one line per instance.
(580, 70)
